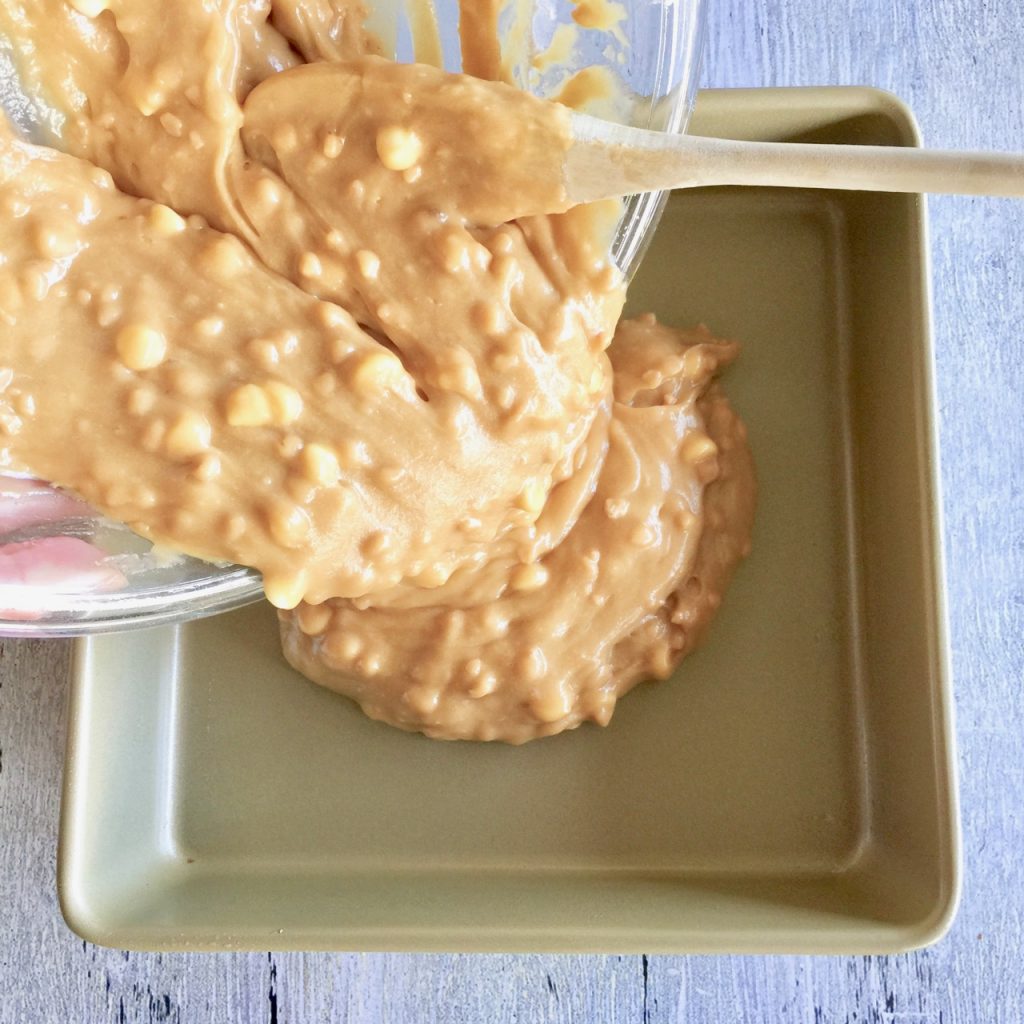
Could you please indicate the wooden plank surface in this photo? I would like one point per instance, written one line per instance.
(959, 64)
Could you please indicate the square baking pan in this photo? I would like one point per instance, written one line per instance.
(791, 788)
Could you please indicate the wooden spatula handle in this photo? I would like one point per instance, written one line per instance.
(607, 160)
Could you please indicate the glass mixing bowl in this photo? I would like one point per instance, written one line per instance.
(66, 571)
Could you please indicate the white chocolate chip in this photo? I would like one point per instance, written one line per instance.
(289, 524)
(332, 145)
(285, 403)
(190, 435)
(379, 371)
(141, 347)
(320, 465)
(528, 577)
(248, 406)
(369, 264)
(89, 8)
(164, 221)
(398, 148)
(310, 265)
(284, 591)
(532, 497)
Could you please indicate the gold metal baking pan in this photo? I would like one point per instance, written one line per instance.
(791, 789)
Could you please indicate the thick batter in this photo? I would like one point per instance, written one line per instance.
(281, 324)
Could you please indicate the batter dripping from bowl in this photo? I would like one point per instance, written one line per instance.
(250, 321)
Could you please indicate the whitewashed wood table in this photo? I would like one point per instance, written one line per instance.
(960, 65)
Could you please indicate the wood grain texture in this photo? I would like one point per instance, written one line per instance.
(959, 65)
